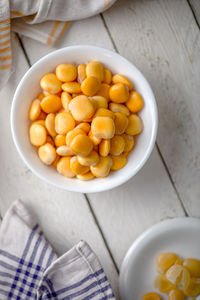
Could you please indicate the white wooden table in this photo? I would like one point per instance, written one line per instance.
(162, 38)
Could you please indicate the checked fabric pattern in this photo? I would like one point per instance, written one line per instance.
(30, 269)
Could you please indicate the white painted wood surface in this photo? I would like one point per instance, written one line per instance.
(65, 217)
(125, 212)
(162, 39)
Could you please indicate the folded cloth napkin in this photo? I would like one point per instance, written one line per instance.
(43, 20)
(30, 269)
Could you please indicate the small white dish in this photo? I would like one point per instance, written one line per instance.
(138, 270)
(29, 88)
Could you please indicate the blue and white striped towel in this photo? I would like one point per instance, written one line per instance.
(30, 269)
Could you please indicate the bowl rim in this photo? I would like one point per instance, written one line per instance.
(99, 187)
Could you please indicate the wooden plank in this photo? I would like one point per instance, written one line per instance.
(65, 217)
(195, 6)
(163, 40)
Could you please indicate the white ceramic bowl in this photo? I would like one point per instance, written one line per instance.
(28, 89)
(138, 270)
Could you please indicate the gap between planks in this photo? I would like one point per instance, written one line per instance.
(191, 6)
(85, 195)
(159, 152)
(101, 231)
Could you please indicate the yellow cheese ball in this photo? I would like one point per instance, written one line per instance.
(38, 135)
(129, 142)
(81, 73)
(90, 86)
(63, 167)
(66, 72)
(64, 122)
(35, 110)
(90, 160)
(64, 151)
(104, 91)
(104, 148)
(117, 145)
(65, 100)
(81, 108)
(51, 104)
(96, 141)
(152, 296)
(95, 69)
(84, 126)
(117, 107)
(99, 102)
(135, 125)
(71, 87)
(50, 124)
(50, 83)
(103, 127)
(118, 78)
(121, 123)
(135, 102)
(47, 154)
(60, 140)
(102, 168)
(72, 133)
(119, 93)
(118, 162)
(76, 167)
(81, 145)
(107, 78)
(103, 112)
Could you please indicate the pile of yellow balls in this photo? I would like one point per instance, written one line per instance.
(85, 119)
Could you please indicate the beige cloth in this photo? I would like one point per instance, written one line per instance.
(43, 20)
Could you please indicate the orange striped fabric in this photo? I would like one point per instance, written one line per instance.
(5, 43)
(2, 36)
(3, 58)
(65, 25)
(5, 21)
(5, 47)
(5, 28)
(16, 13)
(52, 33)
(5, 67)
